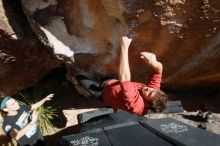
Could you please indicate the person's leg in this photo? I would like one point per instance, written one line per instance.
(90, 85)
(104, 80)
(70, 76)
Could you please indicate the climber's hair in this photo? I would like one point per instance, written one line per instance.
(159, 104)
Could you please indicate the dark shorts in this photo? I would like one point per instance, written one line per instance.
(92, 86)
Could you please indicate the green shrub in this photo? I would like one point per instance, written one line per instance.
(46, 113)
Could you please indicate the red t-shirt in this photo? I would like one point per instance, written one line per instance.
(126, 95)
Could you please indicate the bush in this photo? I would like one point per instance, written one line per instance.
(46, 113)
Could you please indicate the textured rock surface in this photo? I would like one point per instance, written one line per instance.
(184, 34)
(23, 60)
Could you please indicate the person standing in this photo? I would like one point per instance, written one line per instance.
(20, 121)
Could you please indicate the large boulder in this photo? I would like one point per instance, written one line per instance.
(184, 34)
(23, 60)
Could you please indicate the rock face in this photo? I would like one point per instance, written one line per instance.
(23, 60)
(184, 34)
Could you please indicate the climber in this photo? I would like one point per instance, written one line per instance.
(20, 121)
(133, 97)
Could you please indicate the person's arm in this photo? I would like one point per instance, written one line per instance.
(124, 69)
(17, 134)
(151, 60)
(41, 102)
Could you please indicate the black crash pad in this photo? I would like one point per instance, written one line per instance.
(108, 119)
(95, 137)
(103, 117)
(86, 116)
(174, 107)
(98, 122)
(133, 134)
(125, 134)
(180, 133)
(122, 116)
